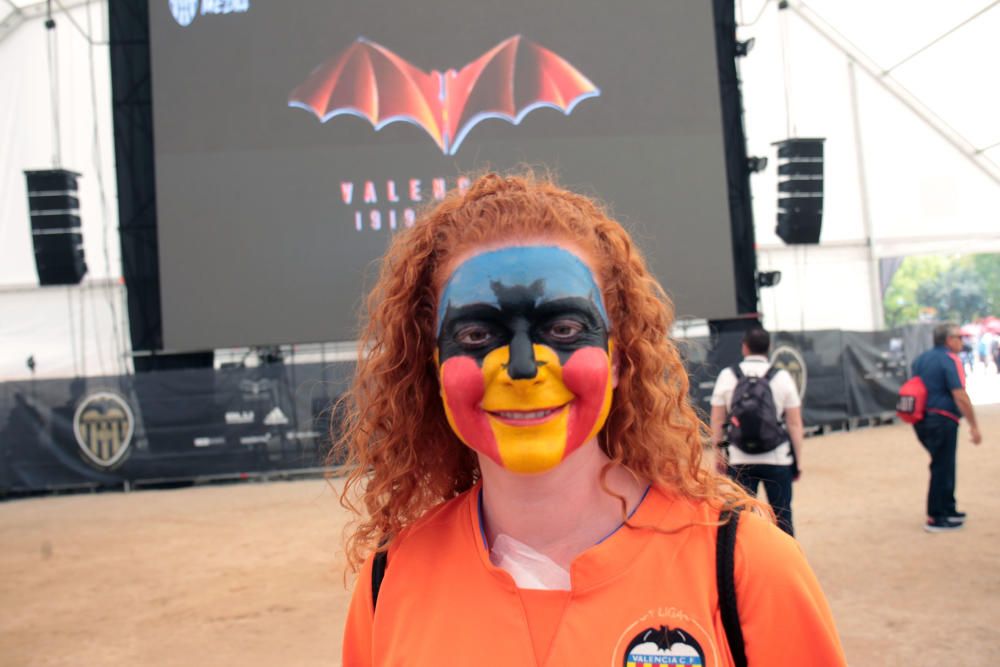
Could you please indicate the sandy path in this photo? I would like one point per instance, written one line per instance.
(250, 574)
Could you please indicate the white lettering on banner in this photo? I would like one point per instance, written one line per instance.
(275, 417)
(301, 435)
(240, 417)
(209, 441)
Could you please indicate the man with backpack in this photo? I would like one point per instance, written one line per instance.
(749, 403)
(943, 377)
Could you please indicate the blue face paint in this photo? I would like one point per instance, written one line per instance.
(548, 273)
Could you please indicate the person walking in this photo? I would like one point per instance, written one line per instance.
(775, 464)
(943, 375)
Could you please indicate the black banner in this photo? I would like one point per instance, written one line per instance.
(841, 375)
(193, 424)
(166, 426)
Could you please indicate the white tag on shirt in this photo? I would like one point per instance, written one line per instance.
(529, 568)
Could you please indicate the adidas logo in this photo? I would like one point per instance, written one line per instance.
(275, 417)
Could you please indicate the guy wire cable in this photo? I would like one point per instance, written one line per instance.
(119, 366)
(942, 36)
(52, 52)
(763, 8)
(72, 331)
(786, 74)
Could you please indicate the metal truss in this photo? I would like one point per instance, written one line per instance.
(883, 77)
(21, 15)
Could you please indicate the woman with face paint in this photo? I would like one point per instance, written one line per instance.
(520, 438)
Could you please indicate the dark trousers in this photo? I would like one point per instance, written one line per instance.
(777, 482)
(939, 436)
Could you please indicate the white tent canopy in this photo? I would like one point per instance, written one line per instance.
(895, 184)
(912, 153)
(68, 330)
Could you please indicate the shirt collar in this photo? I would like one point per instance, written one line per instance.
(755, 357)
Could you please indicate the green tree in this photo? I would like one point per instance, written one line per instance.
(957, 294)
(962, 289)
(901, 304)
(988, 269)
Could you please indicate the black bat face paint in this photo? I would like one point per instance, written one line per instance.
(524, 355)
(520, 317)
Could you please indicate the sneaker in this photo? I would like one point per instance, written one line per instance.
(957, 517)
(941, 525)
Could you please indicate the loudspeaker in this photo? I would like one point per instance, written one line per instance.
(55, 226)
(800, 190)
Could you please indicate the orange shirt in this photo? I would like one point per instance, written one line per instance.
(641, 597)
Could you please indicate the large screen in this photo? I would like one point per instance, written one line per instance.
(293, 139)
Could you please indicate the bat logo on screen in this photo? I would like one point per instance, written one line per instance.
(509, 81)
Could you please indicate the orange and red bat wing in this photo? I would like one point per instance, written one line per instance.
(510, 81)
(370, 81)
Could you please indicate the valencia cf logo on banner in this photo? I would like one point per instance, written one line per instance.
(788, 358)
(103, 425)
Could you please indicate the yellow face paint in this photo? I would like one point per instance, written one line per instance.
(529, 425)
(524, 356)
(528, 418)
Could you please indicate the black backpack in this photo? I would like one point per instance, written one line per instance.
(752, 424)
(725, 548)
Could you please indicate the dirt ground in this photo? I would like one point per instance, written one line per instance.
(252, 574)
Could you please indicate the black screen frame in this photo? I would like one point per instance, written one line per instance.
(134, 152)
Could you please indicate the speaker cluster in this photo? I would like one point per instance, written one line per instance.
(800, 190)
(54, 206)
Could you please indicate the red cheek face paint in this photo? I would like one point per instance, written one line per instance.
(586, 374)
(462, 388)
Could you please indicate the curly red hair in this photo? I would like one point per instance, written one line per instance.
(402, 455)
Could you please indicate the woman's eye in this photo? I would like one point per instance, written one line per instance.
(474, 336)
(564, 331)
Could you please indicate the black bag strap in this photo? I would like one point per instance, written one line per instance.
(725, 548)
(378, 574)
(771, 372)
(739, 374)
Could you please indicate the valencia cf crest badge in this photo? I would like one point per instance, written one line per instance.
(103, 425)
(790, 359)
